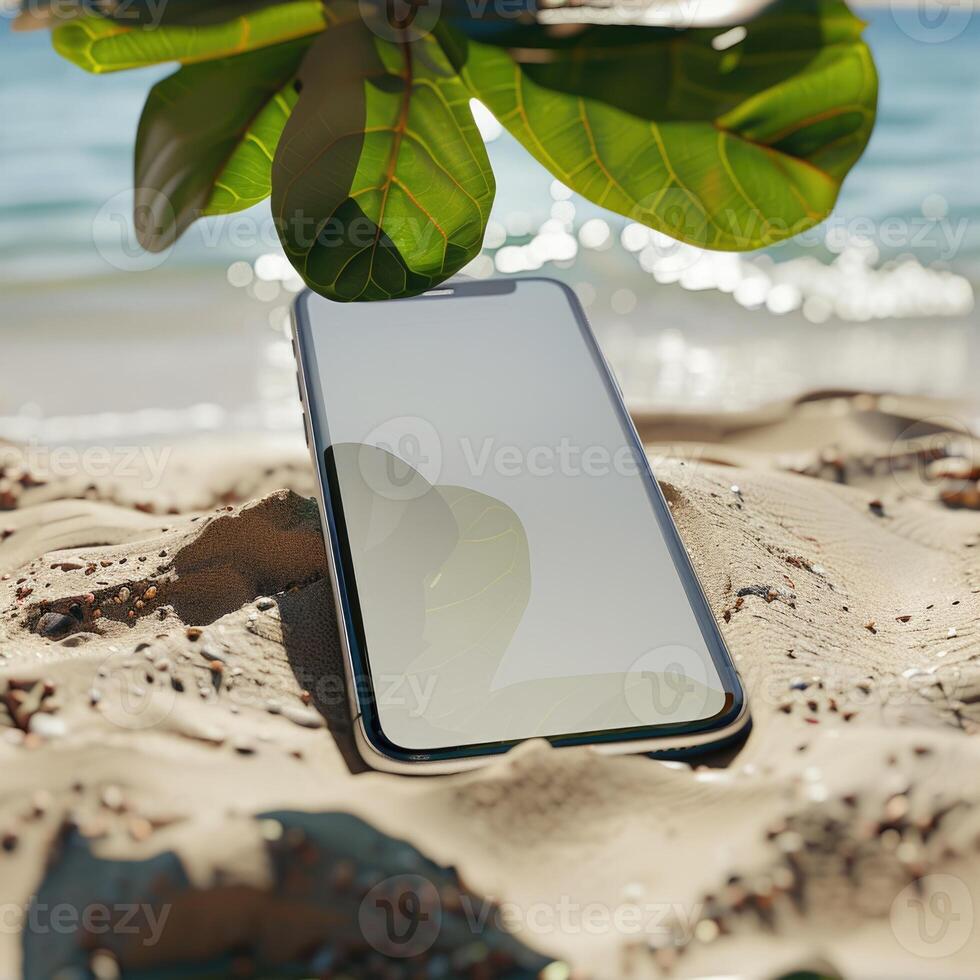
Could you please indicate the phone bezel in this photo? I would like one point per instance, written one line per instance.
(374, 745)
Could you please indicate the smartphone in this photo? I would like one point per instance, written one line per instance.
(503, 561)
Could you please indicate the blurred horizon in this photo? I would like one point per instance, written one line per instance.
(880, 295)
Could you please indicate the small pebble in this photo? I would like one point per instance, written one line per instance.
(47, 725)
(140, 828)
(104, 965)
(112, 799)
(56, 625)
(896, 808)
(270, 829)
(41, 801)
(303, 716)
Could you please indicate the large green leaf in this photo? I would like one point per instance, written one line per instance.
(727, 149)
(98, 44)
(247, 176)
(206, 139)
(381, 184)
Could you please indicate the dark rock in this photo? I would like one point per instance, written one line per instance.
(56, 625)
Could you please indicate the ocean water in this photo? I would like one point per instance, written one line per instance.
(880, 296)
(67, 139)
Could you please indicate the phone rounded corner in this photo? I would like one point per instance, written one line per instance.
(734, 712)
(382, 755)
(740, 700)
(300, 308)
(371, 754)
(730, 730)
(733, 732)
(569, 292)
(737, 720)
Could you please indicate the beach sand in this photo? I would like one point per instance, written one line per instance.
(174, 739)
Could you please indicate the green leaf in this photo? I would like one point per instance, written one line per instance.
(206, 139)
(381, 185)
(99, 45)
(727, 149)
(247, 176)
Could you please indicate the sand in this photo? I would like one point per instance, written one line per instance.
(178, 779)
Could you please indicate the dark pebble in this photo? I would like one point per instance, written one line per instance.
(56, 625)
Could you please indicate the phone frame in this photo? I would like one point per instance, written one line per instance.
(375, 749)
